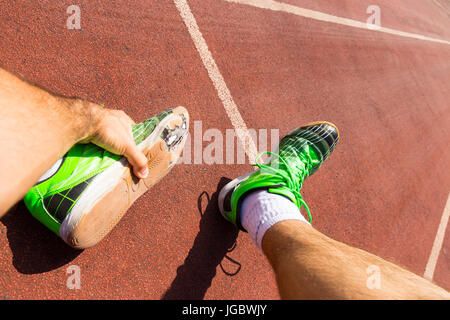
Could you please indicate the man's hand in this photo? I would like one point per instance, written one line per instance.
(111, 130)
(37, 128)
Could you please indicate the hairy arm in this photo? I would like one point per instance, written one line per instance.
(37, 128)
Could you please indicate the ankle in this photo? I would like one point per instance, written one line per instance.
(261, 210)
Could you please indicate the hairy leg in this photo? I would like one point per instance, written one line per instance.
(37, 128)
(310, 265)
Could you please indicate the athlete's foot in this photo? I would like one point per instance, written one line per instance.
(85, 195)
(300, 153)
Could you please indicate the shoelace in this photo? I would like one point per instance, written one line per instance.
(291, 181)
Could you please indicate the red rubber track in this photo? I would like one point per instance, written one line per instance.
(383, 190)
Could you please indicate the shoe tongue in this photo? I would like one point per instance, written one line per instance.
(296, 158)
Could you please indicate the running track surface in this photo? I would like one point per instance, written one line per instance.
(383, 190)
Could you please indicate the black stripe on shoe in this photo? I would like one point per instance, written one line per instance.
(322, 135)
(59, 205)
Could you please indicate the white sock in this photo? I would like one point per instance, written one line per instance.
(262, 209)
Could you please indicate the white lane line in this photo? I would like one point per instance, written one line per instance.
(437, 245)
(216, 77)
(317, 15)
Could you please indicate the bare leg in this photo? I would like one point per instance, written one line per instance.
(37, 128)
(309, 265)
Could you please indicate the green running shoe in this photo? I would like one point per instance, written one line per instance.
(300, 153)
(85, 194)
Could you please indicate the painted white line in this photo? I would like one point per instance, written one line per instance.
(216, 77)
(437, 245)
(317, 15)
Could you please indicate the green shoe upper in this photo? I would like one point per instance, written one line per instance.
(51, 200)
(300, 154)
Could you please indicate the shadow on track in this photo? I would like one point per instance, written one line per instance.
(35, 249)
(214, 241)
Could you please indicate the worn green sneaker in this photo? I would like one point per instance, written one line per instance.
(300, 153)
(85, 194)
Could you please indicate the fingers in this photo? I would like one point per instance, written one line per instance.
(114, 133)
(135, 157)
(138, 161)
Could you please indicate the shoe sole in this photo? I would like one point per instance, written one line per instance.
(230, 186)
(109, 196)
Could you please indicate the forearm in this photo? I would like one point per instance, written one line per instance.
(36, 129)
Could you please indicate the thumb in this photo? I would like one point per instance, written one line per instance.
(137, 160)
